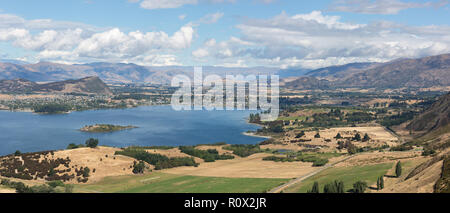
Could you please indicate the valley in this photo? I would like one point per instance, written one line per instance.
(340, 129)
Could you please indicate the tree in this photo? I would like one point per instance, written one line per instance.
(315, 188)
(338, 136)
(351, 148)
(381, 182)
(359, 187)
(334, 187)
(398, 169)
(329, 188)
(317, 135)
(301, 134)
(366, 138)
(255, 118)
(17, 153)
(340, 186)
(92, 143)
(357, 137)
(51, 172)
(138, 168)
(86, 172)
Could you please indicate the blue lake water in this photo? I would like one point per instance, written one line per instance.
(158, 125)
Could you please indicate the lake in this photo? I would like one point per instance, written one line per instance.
(158, 125)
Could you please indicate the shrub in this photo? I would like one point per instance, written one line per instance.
(243, 150)
(320, 162)
(357, 137)
(359, 187)
(74, 146)
(209, 155)
(86, 172)
(92, 143)
(55, 183)
(301, 134)
(366, 138)
(428, 152)
(317, 135)
(159, 161)
(401, 148)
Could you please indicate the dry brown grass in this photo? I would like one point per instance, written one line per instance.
(6, 190)
(369, 158)
(95, 158)
(379, 137)
(423, 182)
(250, 167)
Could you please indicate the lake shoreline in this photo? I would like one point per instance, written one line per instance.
(253, 134)
(159, 125)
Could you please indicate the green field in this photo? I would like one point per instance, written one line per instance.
(348, 175)
(169, 183)
(4, 187)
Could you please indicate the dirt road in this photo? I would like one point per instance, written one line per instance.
(303, 177)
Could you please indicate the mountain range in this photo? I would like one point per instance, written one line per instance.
(412, 73)
(115, 72)
(432, 71)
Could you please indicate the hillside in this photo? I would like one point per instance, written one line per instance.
(17, 86)
(340, 71)
(88, 85)
(434, 118)
(416, 73)
(433, 71)
(307, 82)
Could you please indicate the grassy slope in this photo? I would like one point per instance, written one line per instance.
(348, 175)
(169, 183)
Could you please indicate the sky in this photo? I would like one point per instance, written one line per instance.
(232, 33)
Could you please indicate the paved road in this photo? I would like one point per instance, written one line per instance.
(301, 178)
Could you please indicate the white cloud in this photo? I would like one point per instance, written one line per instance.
(237, 63)
(200, 53)
(382, 6)
(315, 40)
(162, 4)
(182, 16)
(211, 18)
(155, 60)
(80, 44)
(167, 4)
(14, 21)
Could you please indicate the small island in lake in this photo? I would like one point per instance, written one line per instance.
(105, 128)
